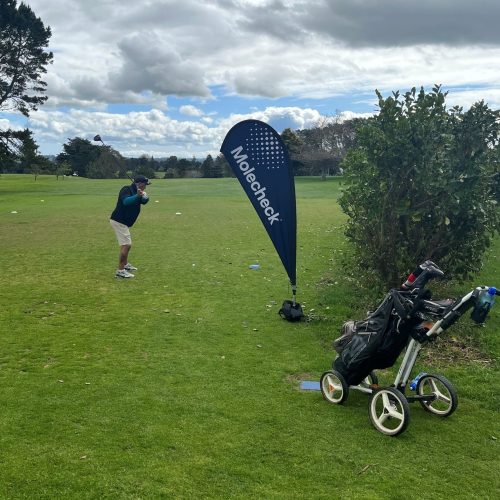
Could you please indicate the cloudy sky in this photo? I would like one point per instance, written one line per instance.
(163, 77)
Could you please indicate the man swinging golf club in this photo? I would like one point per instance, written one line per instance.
(123, 218)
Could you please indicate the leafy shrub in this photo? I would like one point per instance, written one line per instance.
(422, 183)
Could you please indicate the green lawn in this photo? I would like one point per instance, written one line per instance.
(184, 382)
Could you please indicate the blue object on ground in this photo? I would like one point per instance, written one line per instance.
(254, 266)
(307, 385)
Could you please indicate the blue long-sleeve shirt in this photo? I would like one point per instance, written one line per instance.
(128, 205)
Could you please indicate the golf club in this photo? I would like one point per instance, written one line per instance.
(97, 138)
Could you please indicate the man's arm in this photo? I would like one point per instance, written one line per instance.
(130, 200)
(128, 197)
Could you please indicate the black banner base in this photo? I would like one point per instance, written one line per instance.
(291, 311)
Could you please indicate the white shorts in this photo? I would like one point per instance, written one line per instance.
(122, 233)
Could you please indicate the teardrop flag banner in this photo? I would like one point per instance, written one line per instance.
(260, 161)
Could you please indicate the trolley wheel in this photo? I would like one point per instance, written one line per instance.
(446, 396)
(334, 387)
(389, 411)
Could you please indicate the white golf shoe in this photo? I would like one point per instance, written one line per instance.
(123, 273)
(130, 267)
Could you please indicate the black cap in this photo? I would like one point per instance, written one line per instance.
(141, 178)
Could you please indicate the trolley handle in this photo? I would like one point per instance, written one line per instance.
(457, 310)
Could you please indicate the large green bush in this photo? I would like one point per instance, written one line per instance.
(422, 183)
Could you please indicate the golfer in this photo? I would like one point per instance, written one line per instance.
(123, 218)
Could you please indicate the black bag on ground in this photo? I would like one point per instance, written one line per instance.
(291, 311)
(377, 341)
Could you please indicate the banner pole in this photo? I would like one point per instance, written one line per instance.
(294, 294)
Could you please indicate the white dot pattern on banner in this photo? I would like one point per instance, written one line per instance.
(264, 148)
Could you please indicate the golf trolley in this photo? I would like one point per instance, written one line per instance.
(406, 320)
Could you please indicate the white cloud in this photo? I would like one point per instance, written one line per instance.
(132, 133)
(8, 124)
(467, 97)
(154, 132)
(190, 110)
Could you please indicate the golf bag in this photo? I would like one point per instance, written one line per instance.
(377, 341)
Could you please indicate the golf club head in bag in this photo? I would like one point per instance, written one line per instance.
(421, 275)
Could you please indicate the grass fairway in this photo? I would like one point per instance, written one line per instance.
(184, 382)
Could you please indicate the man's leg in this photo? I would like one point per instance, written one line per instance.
(123, 259)
(125, 243)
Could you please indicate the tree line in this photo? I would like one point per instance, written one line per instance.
(316, 151)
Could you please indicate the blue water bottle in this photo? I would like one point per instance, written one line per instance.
(490, 296)
(483, 305)
(414, 382)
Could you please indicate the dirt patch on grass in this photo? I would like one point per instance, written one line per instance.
(452, 350)
(296, 378)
